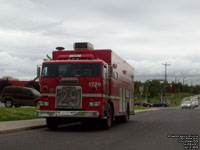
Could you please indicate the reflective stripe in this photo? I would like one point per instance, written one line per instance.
(112, 97)
(91, 95)
(84, 95)
(48, 94)
(101, 95)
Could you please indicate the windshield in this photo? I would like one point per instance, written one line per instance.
(72, 70)
(35, 92)
(187, 102)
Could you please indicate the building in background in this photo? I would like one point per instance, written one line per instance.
(10, 81)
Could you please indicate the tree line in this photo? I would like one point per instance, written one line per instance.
(153, 89)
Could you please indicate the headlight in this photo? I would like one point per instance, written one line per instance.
(94, 104)
(44, 103)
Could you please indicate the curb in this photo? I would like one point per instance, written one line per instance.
(21, 125)
(21, 129)
(146, 110)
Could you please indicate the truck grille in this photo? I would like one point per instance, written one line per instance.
(69, 97)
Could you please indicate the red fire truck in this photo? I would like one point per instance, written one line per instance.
(86, 84)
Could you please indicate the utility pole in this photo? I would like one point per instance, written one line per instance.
(175, 92)
(184, 80)
(166, 65)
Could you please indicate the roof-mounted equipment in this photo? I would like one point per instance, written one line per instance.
(60, 48)
(83, 46)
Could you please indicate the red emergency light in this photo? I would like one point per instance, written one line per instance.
(77, 56)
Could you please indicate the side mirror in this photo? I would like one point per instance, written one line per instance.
(38, 71)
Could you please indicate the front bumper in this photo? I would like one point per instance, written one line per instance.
(186, 106)
(67, 114)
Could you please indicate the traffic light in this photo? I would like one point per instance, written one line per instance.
(171, 85)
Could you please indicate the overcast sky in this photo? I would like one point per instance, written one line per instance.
(146, 33)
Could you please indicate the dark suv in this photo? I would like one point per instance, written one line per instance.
(19, 96)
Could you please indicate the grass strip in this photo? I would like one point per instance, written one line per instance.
(11, 114)
(140, 107)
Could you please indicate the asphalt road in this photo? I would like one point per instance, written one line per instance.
(145, 131)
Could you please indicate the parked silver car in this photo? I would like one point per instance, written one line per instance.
(188, 104)
(195, 102)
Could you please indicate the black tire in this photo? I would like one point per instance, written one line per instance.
(52, 123)
(107, 123)
(8, 103)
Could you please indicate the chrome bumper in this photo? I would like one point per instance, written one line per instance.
(56, 113)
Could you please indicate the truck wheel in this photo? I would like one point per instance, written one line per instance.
(8, 103)
(107, 123)
(52, 123)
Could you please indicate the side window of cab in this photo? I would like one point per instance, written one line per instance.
(105, 71)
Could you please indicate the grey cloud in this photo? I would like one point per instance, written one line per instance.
(17, 67)
(146, 33)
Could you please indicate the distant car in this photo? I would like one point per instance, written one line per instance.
(19, 96)
(137, 103)
(188, 104)
(195, 102)
(160, 104)
(144, 104)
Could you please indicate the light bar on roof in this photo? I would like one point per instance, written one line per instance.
(83, 46)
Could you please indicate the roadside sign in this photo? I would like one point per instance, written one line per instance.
(141, 89)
